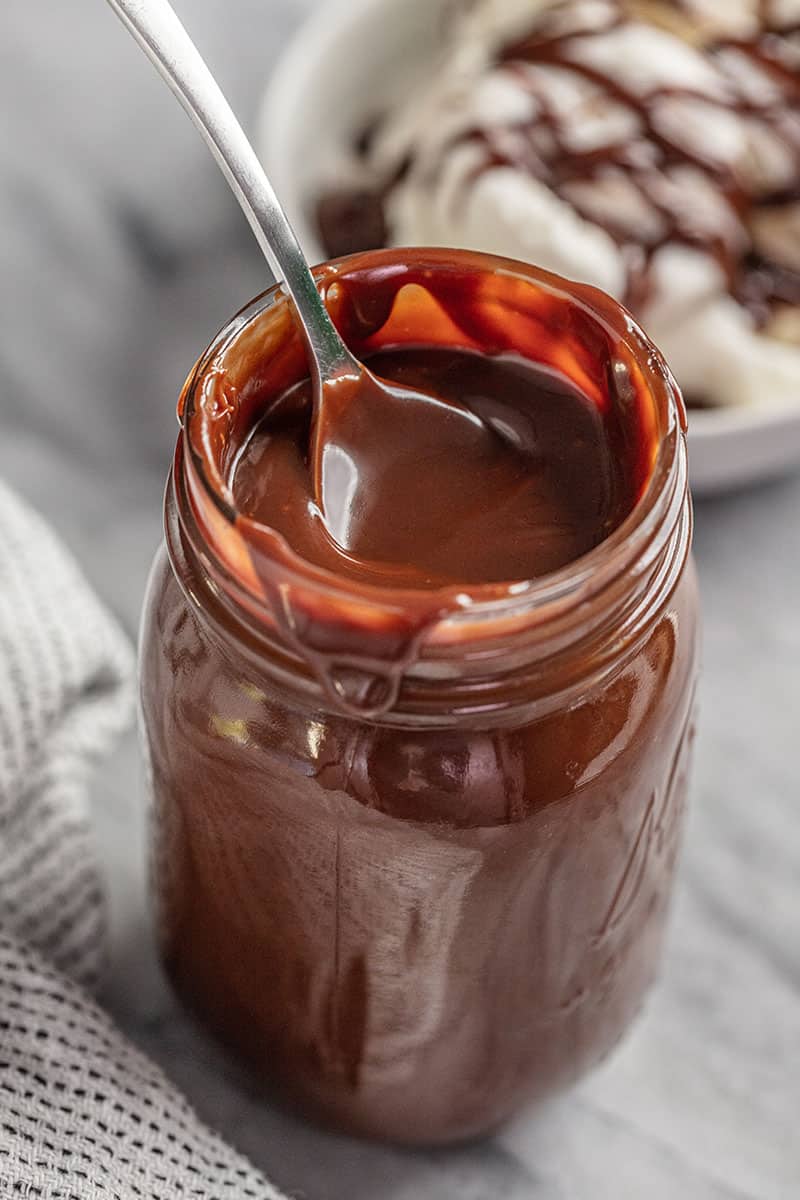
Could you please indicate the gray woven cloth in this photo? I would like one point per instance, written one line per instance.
(83, 1114)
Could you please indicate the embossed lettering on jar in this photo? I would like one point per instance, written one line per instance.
(414, 846)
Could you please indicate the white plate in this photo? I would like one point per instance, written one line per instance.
(344, 66)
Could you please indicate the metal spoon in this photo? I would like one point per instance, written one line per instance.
(335, 438)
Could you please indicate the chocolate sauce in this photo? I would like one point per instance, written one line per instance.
(498, 470)
(439, 301)
(647, 160)
(419, 914)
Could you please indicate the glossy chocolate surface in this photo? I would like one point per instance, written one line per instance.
(489, 469)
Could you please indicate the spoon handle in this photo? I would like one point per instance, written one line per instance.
(159, 32)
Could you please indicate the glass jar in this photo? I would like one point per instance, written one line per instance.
(413, 856)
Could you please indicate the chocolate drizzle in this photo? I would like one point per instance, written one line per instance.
(653, 155)
(660, 167)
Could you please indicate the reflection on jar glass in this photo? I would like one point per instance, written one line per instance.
(413, 859)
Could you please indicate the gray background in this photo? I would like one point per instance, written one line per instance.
(121, 253)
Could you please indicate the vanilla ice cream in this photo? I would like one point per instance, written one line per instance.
(650, 147)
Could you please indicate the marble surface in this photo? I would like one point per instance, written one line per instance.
(121, 254)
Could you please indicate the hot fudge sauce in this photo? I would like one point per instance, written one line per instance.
(419, 779)
(499, 470)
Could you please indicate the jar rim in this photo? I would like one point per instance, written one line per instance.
(465, 604)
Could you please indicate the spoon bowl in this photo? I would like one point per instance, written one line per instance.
(353, 486)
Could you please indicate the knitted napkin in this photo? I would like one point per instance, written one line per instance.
(83, 1114)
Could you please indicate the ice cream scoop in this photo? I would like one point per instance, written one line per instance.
(650, 148)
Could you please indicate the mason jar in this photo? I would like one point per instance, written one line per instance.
(413, 857)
